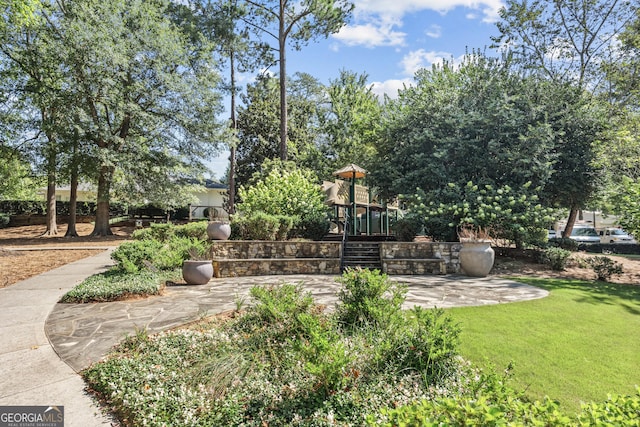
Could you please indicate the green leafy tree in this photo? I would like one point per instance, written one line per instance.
(567, 41)
(224, 23)
(295, 23)
(145, 90)
(624, 73)
(258, 123)
(351, 124)
(477, 122)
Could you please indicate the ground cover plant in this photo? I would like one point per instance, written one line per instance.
(285, 361)
(576, 345)
(116, 285)
(145, 264)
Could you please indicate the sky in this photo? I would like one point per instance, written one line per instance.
(389, 40)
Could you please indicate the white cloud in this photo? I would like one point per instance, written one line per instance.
(434, 31)
(413, 61)
(390, 87)
(376, 22)
(370, 35)
(399, 8)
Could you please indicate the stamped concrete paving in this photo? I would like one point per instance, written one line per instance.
(82, 334)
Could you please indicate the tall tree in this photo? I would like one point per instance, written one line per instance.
(31, 59)
(146, 92)
(352, 123)
(258, 124)
(624, 72)
(296, 22)
(223, 22)
(566, 41)
(474, 122)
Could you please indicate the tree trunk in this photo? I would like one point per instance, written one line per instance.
(52, 224)
(283, 86)
(102, 227)
(573, 214)
(234, 126)
(73, 198)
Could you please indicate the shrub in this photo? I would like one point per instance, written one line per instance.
(152, 254)
(513, 214)
(425, 341)
(4, 220)
(131, 256)
(556, 257)
(490, 402)
(193, 230)
(156, 231)
(604, 267)
(285, 225)
(261, 226)
(368, 298)
(313, 226)
(276, 311)
(564, 243)
(407, 228)
(114, 285)
(284, 189)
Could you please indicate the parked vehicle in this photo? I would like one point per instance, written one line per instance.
(551, 234)
(617, 236)
(583, 234)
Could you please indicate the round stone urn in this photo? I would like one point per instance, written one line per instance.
(218, 230)
(197, 272)
(476, 257)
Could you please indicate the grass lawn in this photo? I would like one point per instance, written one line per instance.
(577, 345)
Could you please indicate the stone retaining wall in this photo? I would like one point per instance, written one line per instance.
(420, 257)
(234, 258)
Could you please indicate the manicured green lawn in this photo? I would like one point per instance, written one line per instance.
(578, 344)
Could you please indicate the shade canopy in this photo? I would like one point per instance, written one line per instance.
(350, 171)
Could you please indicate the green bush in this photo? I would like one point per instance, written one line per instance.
(261, 226)
(368, 298)
(556, 257)
(193, 230)
(512, 214)
(4, 220)
(145, 254)
(312, 226)
(427, 341)
(156, 231)
(564, 243)
(284, 189)
(604, 267)
(490, 402)
(276, 311)
(132, 257)
(407, 228)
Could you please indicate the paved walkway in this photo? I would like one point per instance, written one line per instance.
(39, 335)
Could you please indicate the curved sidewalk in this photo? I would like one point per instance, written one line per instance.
(80, 334)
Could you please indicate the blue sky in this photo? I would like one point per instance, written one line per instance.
(389, 40)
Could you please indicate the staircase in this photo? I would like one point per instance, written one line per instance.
(361, 254)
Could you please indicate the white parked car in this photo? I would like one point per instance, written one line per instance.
(582, 234)
(616, 235)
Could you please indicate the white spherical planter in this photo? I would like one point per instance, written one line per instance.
(218, 230)
(476, 258)
(197, 272)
